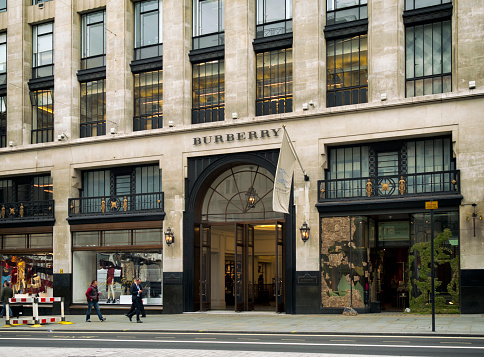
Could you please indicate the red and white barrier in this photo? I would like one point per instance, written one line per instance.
(35, 319)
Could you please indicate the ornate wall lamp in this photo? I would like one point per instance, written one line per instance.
(305, 232)
(474, 215)
(169, 236)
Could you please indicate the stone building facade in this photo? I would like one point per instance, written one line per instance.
(121, 119)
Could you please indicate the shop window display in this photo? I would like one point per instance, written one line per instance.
(29, 274)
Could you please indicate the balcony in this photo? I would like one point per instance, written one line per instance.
(133, 207)
(27, 213)
(389, 191)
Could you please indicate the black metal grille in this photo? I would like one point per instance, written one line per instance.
(28, 209)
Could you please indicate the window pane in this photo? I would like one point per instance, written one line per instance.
(95, 38)
(41, 240)
(117, 238)
(149, 28)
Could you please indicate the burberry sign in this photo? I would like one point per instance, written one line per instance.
(226, 138)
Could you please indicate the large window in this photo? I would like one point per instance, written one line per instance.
(42, 116)
(115, 259)
(35, 2)
(3, 58)
(341, 11)
(93, 108)
(93, 40)
(3, 121)
(3, 5)
(208, 23)
(418, 4)
(208, 92)
(148, 100)
(274, 82)
(148, 28)
(347, 67)
(428, 52)
(43, 50)
(274, 17)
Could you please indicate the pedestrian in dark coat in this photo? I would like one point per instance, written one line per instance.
(7, 293)
(137, 302)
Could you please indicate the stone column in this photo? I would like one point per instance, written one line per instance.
(386, 50)
(119, 54)
(308, 75)
(177, 69)
(19, 70)
(239, 58)
(67, 52)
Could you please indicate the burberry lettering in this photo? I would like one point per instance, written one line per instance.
(226, 138)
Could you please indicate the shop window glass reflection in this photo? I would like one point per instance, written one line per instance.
(29, 274)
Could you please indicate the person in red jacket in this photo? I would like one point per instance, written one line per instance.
(92, 295)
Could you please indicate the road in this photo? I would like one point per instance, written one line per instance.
(120, 343)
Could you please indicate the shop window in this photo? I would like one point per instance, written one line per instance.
(148, 28)
(29, 273)
(418, 4)
(343, 11)
(148, 100)
(93, 108)
(116, 267)
(93, 40)
(3, 5)
(208, 92)
(428, 58)
(208, 23)
(344, 262)
(274, 93)
(347, 71)
(3, 121)
(274, 17)
(42, 116)
(43, 50)
(3, 58)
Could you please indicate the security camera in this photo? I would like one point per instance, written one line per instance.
(170, 123)
(61, 137)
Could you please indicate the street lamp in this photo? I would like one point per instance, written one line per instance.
(305, 232)
(169, 236)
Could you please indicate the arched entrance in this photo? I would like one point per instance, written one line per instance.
(239, 243)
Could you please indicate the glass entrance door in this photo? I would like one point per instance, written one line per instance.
(244, 267)
(279, 276)
(205, 267)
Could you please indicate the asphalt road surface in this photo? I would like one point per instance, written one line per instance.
(65, 343)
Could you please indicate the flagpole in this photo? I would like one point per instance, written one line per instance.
(306, 177)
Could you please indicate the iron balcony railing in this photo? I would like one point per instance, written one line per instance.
(116, 205)
(437, 182)
(26, 210)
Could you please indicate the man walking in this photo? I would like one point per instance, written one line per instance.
(7, 293)
(136, 298)
(92, 296)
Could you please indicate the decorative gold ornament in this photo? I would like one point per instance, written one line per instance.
(114, 204)
(103, 205)
(12, 211)
(401, 185)
(385, 186)
(3, 211)
(454, 182)
(125, 204)
(369, 188)
(21, 210)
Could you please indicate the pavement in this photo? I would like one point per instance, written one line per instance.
(387, 323)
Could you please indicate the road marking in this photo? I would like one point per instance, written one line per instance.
(342, 340)
(462, 343)
(163, 337)
(205, 338)
(248, 339)
(292, 339)
(399, 341)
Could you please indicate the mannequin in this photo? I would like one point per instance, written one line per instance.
(36, 283)
(21, 274)
(110, 284)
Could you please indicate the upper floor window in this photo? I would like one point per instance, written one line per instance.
(274, 82)
(148, 100)
(347, 71)
(26, 189)
(93, 40)
(3, 58)
(274, 17)
(208, 23)
(42, 116)
(208, 92)
(35, 2)
(3, 121)
(418, 4)
(3, 5)
(43, 50)
(148, 29)
(340, 11)
(428, 57)
(93, 108)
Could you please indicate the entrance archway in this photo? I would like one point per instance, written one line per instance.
(238, 243)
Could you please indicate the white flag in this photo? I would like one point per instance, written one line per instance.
(283, 179)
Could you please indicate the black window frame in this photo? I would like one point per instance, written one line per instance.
(41, 70)
(3, 121)
(419, 4)
(145, 119)
(89, 61)
(336, 15)
(345, 95)
(276, 27)
(42, 115)
(141, 50)
(90, 128)
(201, 39)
